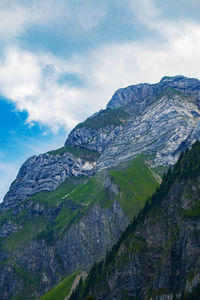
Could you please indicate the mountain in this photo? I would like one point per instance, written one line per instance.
(67, 207)
(157, 257)
(155, 119)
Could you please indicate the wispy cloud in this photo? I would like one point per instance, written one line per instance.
(145, 10)
(19, 16)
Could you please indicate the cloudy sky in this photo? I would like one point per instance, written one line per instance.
(61, 60)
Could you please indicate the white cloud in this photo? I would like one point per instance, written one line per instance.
(144, 10)
(23, 80)
(18, 16)
(31, 80)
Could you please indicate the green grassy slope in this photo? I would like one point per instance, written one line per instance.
(26, 234)
(61, 291)
(77, 152)
(57, 196)
(136, 184)
(112, 116)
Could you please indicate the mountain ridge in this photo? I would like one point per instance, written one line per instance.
(141, 91)
(121, 133)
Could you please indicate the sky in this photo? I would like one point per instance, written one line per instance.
(62, 60)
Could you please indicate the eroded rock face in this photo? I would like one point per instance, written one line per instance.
(45, 172)
(163, 120)
(163, 129)
(78, 247)
(143, 94)
(93, 139)
(8, 228)
(90, 239)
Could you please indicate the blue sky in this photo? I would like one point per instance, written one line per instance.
(61, 60)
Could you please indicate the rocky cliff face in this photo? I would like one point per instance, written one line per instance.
(89, 240)
(99, 130)
(161, 130)
(163, 119)
(46, 172)
(141, 95)
(38, 264)
(158, 255)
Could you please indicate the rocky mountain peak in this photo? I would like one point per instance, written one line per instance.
(173, 78)
(135, 95)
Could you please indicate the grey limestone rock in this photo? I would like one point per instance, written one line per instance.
(93, 139)
(159, 130)
(45, 172)
(89, 240)
(141, 95)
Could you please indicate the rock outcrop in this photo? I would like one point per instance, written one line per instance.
(142, 95)
(45, 172)
(162, 130)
